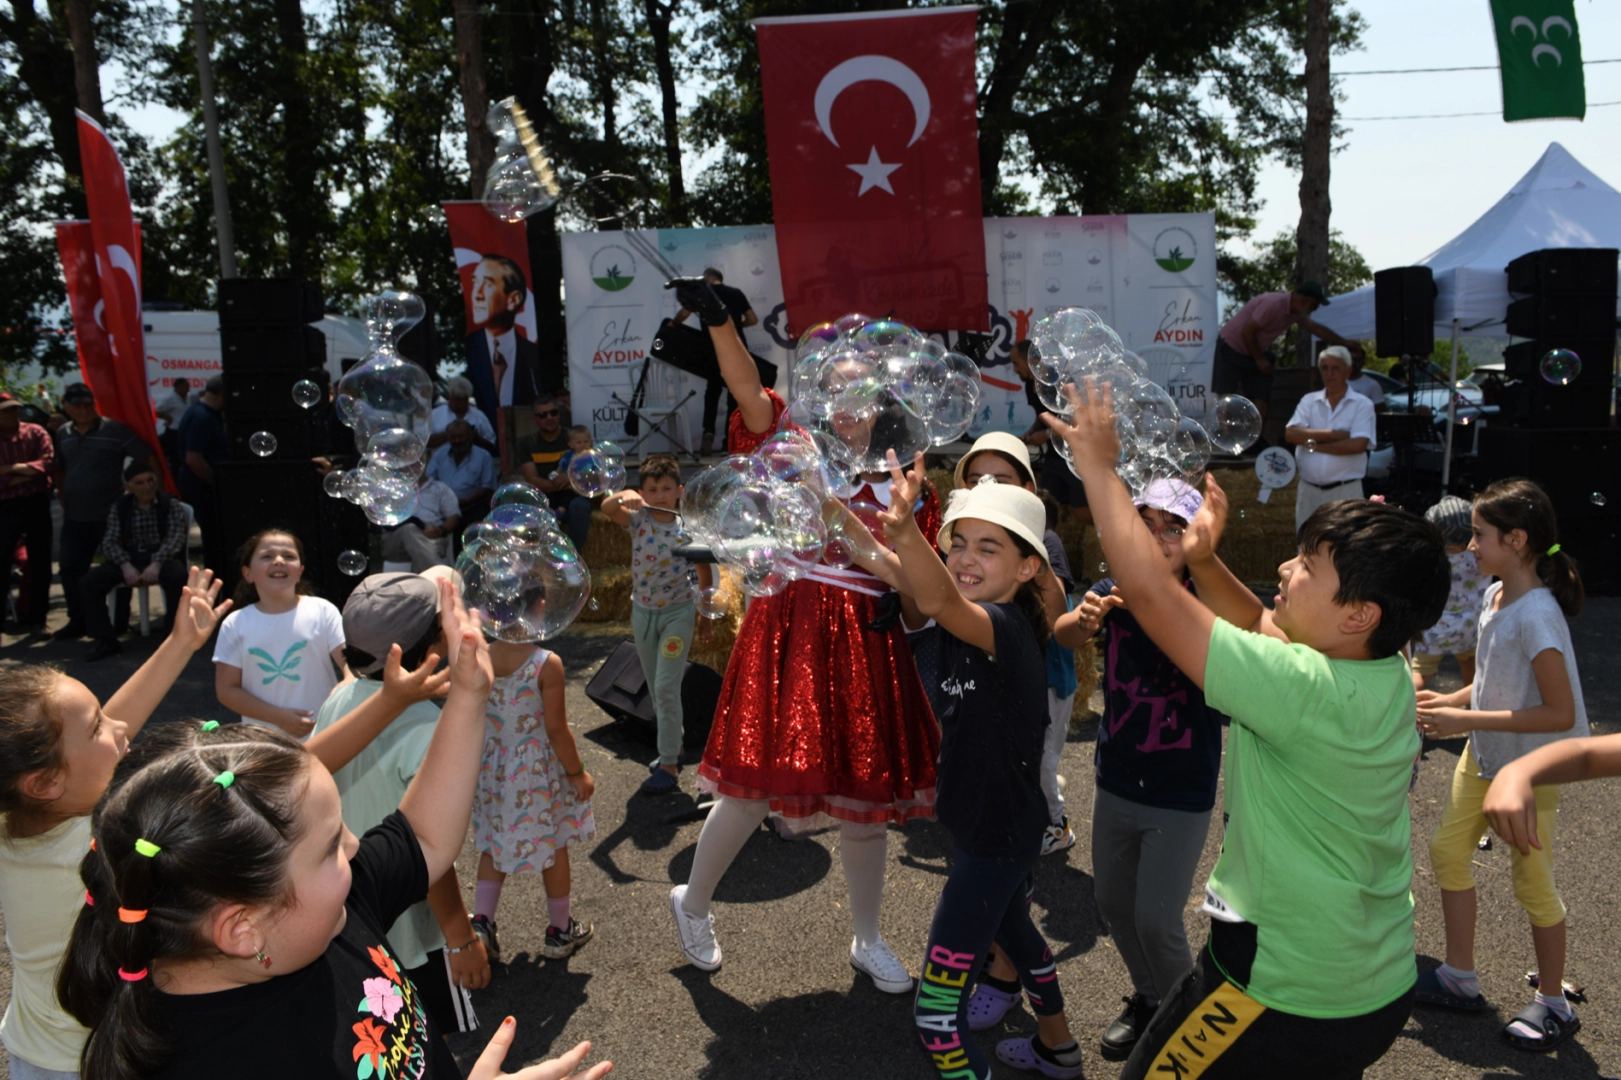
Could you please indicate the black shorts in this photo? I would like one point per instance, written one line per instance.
(1237, 373)
(1208, 1028)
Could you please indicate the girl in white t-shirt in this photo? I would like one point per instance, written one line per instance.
(268, 662)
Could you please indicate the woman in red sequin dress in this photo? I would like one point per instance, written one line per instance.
(821, 720)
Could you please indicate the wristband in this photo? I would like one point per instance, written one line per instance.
(571, 775)
(462, 948)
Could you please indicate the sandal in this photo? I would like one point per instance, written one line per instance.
(1430, 990)
(1555, 1028)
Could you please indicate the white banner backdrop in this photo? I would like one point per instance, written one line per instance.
(1152, 277)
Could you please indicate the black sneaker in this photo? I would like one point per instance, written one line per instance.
(1128, 1027)
(102, 649)
(71, 632)
(484, 927)
(563, 942)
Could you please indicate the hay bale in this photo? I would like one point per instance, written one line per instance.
(610, 593)
(607, 545)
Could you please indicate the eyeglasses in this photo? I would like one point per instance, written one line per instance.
(547, 413)
(1166, 532)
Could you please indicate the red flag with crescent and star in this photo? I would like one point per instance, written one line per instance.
(873, 138)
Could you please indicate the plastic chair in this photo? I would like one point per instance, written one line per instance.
(142, 597)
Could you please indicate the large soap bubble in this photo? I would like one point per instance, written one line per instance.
(1236, 424)
(524, 577)
(520, 181)
(1560, 366)
(395, 448)
(517, 493)
(597, 471)
(385, 391)
(391, 314)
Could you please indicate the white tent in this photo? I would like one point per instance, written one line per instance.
(1559, 203)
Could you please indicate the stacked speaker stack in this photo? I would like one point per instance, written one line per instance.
(267, 346)
(1561, 434)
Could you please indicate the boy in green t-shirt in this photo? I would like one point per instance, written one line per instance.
(1309, 966)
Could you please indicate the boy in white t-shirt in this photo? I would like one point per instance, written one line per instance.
(280, 653)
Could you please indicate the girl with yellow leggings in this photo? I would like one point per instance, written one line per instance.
(1525, 695)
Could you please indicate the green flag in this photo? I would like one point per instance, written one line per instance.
(1540, 53)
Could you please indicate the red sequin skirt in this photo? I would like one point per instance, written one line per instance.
(822, 717)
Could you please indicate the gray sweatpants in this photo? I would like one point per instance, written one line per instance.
(1143, 861)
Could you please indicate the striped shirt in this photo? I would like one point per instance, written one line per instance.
(31, 445)
(147, 532)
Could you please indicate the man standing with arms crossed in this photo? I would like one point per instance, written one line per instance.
(1331, 431)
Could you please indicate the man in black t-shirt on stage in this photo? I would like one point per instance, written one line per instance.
(737, 305)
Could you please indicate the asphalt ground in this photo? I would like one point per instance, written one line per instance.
(787, 1004)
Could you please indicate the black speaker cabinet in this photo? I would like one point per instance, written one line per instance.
(1523, 360)
(620, 689)
(1404, 311)
(267, 301)
(1593, 542)
(265, 494)
(271, 348)
(1563, 315)
(1572, 466)
(1564, 270)
(297, 437)
(270, 393)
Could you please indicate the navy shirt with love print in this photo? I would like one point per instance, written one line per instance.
(1158, 742)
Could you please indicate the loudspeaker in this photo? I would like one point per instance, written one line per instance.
(1572, 466)
(686, 348)
(1593, 542)
(266, 301)
(1404, 311)
(620, 689)
(1564, 270)
(270, 393)
(271, 348)
(297, 437)
(1524, 360)
(1563, 315)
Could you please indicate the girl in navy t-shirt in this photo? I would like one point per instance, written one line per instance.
(1158, 755)
(990, 625)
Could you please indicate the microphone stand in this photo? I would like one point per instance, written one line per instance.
(658, 426)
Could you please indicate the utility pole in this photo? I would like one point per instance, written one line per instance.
(1311, 238)
(211, 136)
(86, 68)
(475, 96)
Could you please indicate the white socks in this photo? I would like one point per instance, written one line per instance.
(864, 854)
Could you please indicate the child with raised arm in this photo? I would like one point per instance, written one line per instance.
(986, 611)
(1308, 969)
(58, 750)
(231, 923)
(1525, 695)
(662, 612)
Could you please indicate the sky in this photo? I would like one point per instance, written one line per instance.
(1402, 188)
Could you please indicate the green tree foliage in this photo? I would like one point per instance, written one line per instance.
(1272, 269)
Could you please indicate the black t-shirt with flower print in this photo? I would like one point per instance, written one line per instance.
(352, 1014)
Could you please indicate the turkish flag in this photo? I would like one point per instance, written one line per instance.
(119, 376)
(873, 139)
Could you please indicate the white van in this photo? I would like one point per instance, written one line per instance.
(186, 345)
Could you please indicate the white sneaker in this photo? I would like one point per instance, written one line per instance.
(696, 937)
(1057, 838)
(879, 963)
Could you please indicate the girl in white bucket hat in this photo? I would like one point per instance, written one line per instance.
(991, 626)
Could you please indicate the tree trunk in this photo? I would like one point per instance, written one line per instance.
(45, 66)
(1311, 238)
(301, 197)
(1025, 28)
(658, 25)
(211, 139)
(475, 95)
(86, 68)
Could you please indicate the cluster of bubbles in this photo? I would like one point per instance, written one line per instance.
(864, 387)
(597, 471)
(520, 181)
(386, 400)
(520, 571)
(1156, 441)
(1560, 366)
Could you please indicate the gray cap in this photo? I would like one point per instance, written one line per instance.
(388, 609)
(1454, 517)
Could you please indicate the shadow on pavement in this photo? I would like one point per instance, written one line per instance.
(766, 869)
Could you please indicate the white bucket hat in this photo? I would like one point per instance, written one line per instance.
(1001, 442)
(1018, 511)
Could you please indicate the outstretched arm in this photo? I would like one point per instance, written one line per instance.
(194, 623)
(1511, 805)
(338, 744)
(1177, 622)
(1218, 587)
(736, 365)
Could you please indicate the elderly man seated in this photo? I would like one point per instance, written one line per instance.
(145, 544)
(424, 537)
(467, 470)
(458, 405)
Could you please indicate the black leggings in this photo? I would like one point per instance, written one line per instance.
(1209, 1029)
(984, 900)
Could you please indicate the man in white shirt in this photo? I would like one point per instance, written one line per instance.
(1332, 431)
(1361, 382)
(424, 537)
(458, 405)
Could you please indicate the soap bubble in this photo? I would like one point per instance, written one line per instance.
(395, 448)
(262, 443)
(306, 394)
(391, 315)
(390, 498)
(520, 182)
(516, 493)
(592, 473)
(1560, 366)
(385, 391)
(1236, 424)
(1103, 568)
(1598, 499)
(592, 605)
(1190, 447)
(332, 483)
(524, 577)
(953, 411)
(352, 562)
(711, 605)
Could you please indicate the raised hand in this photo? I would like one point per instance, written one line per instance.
(1094, 609)
(905, 487)
(467, 651)
(197, 615)
(1090, 432)
(698, 296)
(420, 684)
(1204, 531)
(488, 1065)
